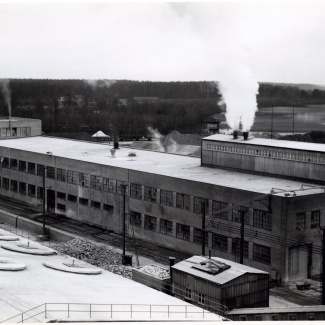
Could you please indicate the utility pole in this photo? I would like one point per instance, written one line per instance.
(203, 203)
(272, 124)
(293, 117)
(242, 212)
(44, 191)
(123, 187)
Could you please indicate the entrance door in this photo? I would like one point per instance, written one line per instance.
(50, 200)
(298, 263)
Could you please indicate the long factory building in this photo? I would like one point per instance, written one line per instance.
(279, 183)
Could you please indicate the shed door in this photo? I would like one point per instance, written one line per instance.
(298, 263)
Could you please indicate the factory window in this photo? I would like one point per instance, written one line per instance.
(220, 242)
(72, 198)
(3, 132)
(201, 298)
(217, 206)
(95, 182)
(5, 183)
(14, 164)
(31, 168)
(25, 131)
(120, 186)
(262, 219)
(5, 162)
(262, 254)
(84, 179)
(301, 221)
(166, 227)
(135, 218)
(236, 215)
(135, 191)
(31, 190)
(188, 293)
(150, 194)
(40, 170)
(50, 172)
(60, 206)
(150, 223)
(236, 247)
(22, 165)
(166, 197)
(14, 185)
(95, 204)
(60, 195)
(108, 208)
(198, 202)
(182, 232)
(83, 201)
(72, 177)
(39, 192)
(315, 218)
(182, 201)
(22, 188)
(61, 174)
(109, 185)
(197, 237)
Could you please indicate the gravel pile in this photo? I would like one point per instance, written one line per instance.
(156, 271)
(98, 255)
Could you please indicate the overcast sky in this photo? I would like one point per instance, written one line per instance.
(269, 41)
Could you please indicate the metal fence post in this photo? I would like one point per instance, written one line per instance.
(150, 311)
(131, 311)
(185, 311)
(89, 310)
(111, 311)
(68, 310)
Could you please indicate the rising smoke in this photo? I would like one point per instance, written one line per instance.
(100, 83)
(6, 93)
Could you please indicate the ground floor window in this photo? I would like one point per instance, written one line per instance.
(72, 198)
(22, 188)
(220, 242)
(262, 254)
(197, 237)
(135, 218)
(14, 185)
(83, 201)
(60, 206)
(108, 208)
(188, 293)
(150, 223)
(166, 227)
(95, 204)
(236, 247)
(31, 190)
(182, 232)
(201, 298)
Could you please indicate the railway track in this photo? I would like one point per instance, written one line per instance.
(294, 297)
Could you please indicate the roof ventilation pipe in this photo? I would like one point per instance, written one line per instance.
(245, 134)
(235, 134)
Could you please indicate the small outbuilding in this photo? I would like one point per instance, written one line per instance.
(101, 136)
(216, 281)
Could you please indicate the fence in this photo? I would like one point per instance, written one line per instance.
(79, 311)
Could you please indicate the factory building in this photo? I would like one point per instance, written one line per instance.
(164, 194)
(17, 127)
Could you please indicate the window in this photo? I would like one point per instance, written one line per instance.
(262, 254)
(197, 237)
(182, 232)
(31, 168)
(72, 198)
(60, 195)
(236, 247)
(40, 170)
(60, 206)
(150, 194)
(292, 317)
(50, 172)
(25, 131)
(301, 221)
(95, 182)
(236, 215)
(262, 219)
(5, 183)
(150, 223)
(188, 293)
(217, 206)
(108, 208)
(201, 298)
(14, 164)
(22, 166)
(109, 185)
(22, 188)
(72, 177)
(166, 197)
(166, 227)
(61, 174)
(182, 201)
(198, 201)
(39, 192)
(5, 162)
(135, 191)
(220, 242)
(120, 185)
(83, 201)
(14, 185)
(83, 180)
(315, 218)
(95, 204)
(135, 218)
(31, 190)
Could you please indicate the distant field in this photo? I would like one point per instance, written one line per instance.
(311, 118)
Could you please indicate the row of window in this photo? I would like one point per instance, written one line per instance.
(15, 132)
(261, 253)
(304, 157)
(301, 220)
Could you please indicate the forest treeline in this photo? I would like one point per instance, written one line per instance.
(128, 107)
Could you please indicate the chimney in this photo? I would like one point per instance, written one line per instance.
(209, 254)
(235, 133)
(245, 134)
(116, 142)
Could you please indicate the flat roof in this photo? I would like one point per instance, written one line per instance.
(296, 145)
(236, 270)
(172, 165)
(14, 119)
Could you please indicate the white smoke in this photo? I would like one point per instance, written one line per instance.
(100, 83)
(6, 93)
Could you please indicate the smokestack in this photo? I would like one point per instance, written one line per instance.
(245, 134)
(235, 133)
(209, 254)
(116, 142)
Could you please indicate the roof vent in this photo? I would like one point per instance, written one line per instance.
(245, 134)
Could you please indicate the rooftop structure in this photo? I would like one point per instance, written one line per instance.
(16, 127)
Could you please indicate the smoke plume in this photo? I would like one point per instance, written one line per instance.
(6, 93)
(100, 83)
